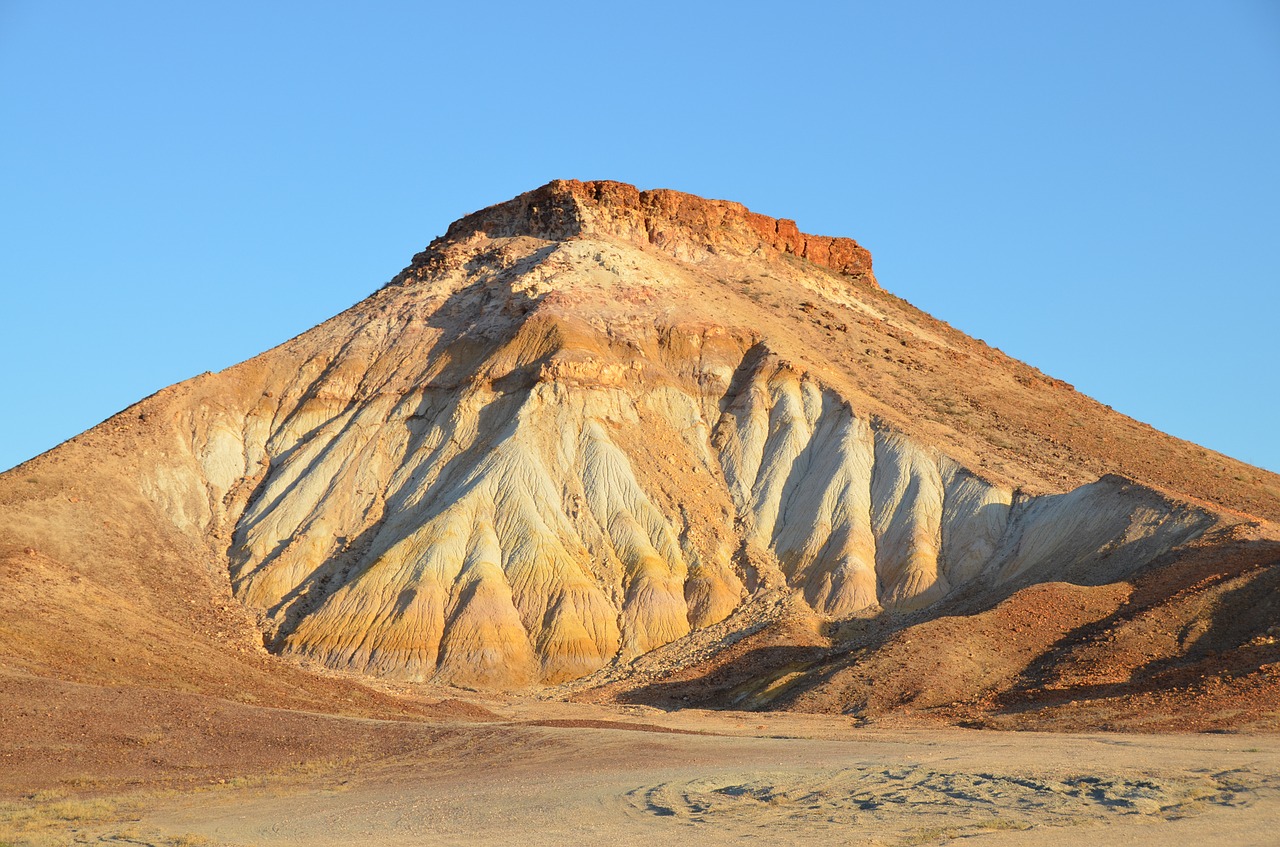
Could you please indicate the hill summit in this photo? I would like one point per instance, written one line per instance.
(640, 445)
(669, 220)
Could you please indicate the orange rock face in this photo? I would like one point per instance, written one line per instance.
(671, 220)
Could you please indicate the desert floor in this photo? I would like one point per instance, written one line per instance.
(557, 774)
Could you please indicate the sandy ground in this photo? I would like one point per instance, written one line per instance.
(558, 774)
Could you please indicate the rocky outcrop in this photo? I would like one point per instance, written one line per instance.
(683, 225)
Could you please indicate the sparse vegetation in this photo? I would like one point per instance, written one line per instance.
(52, 818)
(190, 840)
(935, 835)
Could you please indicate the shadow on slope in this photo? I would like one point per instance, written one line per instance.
(1202, 617)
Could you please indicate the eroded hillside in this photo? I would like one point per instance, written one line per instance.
(593, 436)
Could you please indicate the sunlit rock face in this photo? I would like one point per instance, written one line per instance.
(587, 422)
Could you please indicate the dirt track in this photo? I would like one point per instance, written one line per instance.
(791, 779)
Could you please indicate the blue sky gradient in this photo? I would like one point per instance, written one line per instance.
(1092, 187)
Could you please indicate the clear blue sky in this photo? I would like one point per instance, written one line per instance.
(1092, 187)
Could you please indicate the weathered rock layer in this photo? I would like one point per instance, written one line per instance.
(593, 422)
(488, 479)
